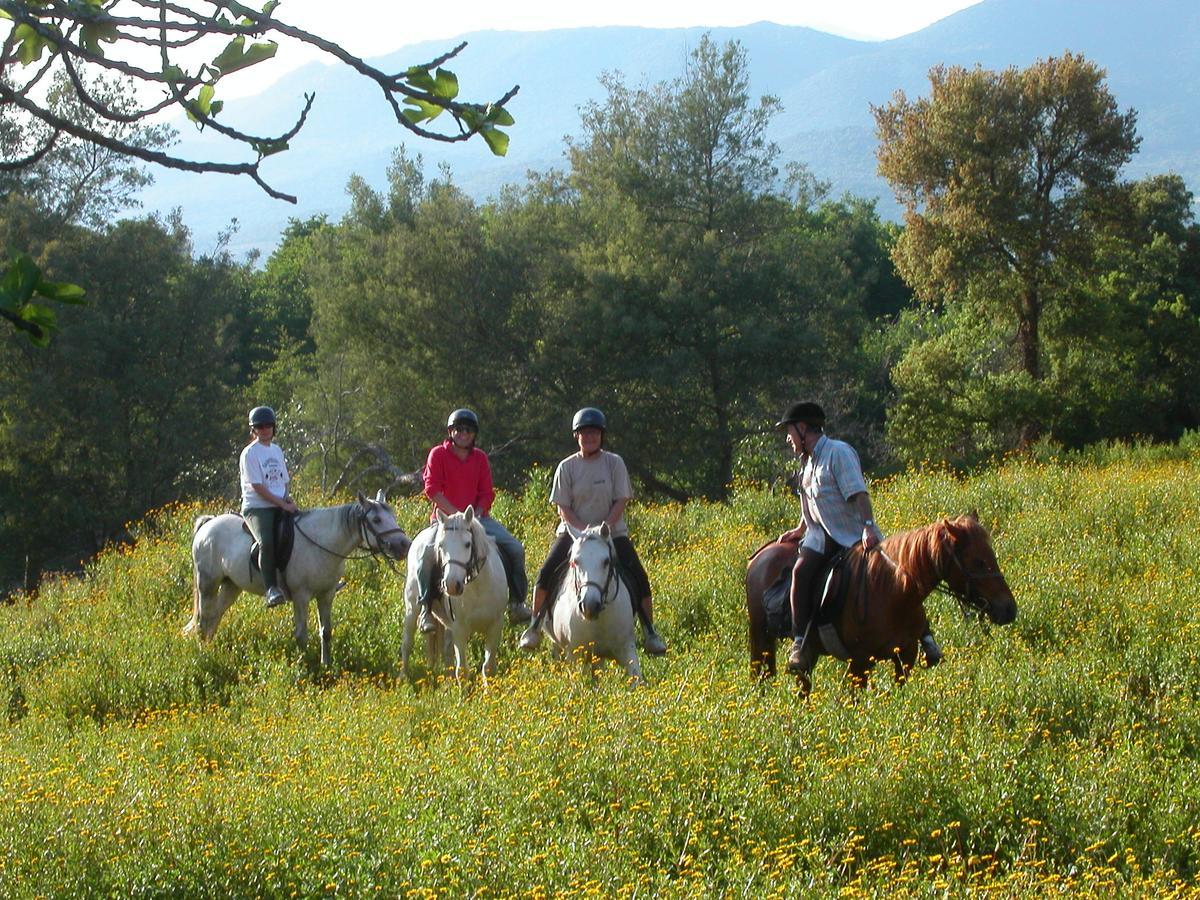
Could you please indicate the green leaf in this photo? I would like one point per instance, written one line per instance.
(445, 85)
(269, 148)
(204, 101)
(269, 8)
(498, 115)
(62, 292)
(496, 140)
(235, 55)
(31, 44)
(94, 33)
(19, 281)
(423, 112)
(173, 73)
(420, 79)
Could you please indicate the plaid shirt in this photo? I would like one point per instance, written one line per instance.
(831, 476)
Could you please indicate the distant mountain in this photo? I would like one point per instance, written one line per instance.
(1150, 49)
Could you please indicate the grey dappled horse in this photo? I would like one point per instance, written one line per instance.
(325, 539)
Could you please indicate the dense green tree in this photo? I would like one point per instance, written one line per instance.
(997, 172)
(123, 411)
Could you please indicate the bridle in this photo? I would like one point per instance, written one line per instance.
(366, 531)
(470, 568)
(972, 599)
(581, 586)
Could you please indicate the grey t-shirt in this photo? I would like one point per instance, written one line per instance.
(589, 487)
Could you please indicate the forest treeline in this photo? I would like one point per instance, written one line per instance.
(672, 273)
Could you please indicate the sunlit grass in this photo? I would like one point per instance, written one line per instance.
(1056, 755)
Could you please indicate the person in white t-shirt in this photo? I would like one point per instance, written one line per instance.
(591, 487)
(264, 479)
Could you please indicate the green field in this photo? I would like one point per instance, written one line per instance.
(1059, 754)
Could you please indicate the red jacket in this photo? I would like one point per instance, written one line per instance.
(464, 482)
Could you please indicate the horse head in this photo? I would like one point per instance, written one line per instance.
(380, 531)
(970, 569)
(593, 565)
(462, 548)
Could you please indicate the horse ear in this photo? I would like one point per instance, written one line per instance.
(380, 496)
(574, 532)
(469, 513)
(973, 515)
(441, 516)
(363, 501)
(605, 531)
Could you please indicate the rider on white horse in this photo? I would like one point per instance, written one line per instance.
(457, 475)
(592, 487)
(265, 479)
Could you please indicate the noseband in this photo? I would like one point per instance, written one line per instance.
(470, 568)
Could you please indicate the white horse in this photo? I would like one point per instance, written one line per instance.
(592, 617)
(474, 586)
(324, 540)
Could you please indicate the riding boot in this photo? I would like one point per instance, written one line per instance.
(426, 623)
(518, 612)
(532, 635)
(933, 653)
(652, 641)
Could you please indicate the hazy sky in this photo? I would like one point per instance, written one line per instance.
(372, 27)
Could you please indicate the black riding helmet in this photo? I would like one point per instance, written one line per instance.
(464, 417)
(805, 411)
(262, 415)
(589, 417)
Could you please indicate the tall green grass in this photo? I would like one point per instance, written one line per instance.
(1057, 754)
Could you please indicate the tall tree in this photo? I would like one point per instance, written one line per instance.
(996, 171)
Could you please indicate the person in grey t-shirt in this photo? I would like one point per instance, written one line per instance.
(591, 487)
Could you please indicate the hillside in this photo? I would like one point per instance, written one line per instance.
(826, 84)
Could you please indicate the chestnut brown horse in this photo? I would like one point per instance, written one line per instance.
(884, 612)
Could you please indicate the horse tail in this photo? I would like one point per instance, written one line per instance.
(193, 625)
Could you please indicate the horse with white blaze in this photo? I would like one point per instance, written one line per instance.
(592, 614)
(325, 539)
(474, 589)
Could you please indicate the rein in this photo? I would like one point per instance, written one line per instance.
(365, 530)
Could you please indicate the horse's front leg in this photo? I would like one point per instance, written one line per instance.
(491, 647)
(460, 655)
(325, 622)
(859, 671)
(300, 619)
(633, 665)
(903, 661)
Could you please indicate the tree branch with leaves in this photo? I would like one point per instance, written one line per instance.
(119, 37)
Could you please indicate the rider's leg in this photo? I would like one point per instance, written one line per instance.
(652, 641)
(810, 563)
(512, 553)
(544, 587)
(261, 521)
(428, 588)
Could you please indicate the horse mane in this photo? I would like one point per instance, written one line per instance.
(480, 544)
(921, 555)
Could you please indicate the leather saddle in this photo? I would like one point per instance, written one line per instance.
(830, 589)
(285, 539)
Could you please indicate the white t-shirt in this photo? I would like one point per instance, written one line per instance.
(262, 464)
(590, 486)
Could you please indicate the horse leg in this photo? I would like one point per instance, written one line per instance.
(859, 670)
(325, 623)
(903, 661)
(491, 646)
(300, 619)
(460, 655)
(633, 666)
(762, 645)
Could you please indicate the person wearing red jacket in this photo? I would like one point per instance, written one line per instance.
(457, 475)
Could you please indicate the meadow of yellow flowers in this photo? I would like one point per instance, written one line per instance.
(1061, 753)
